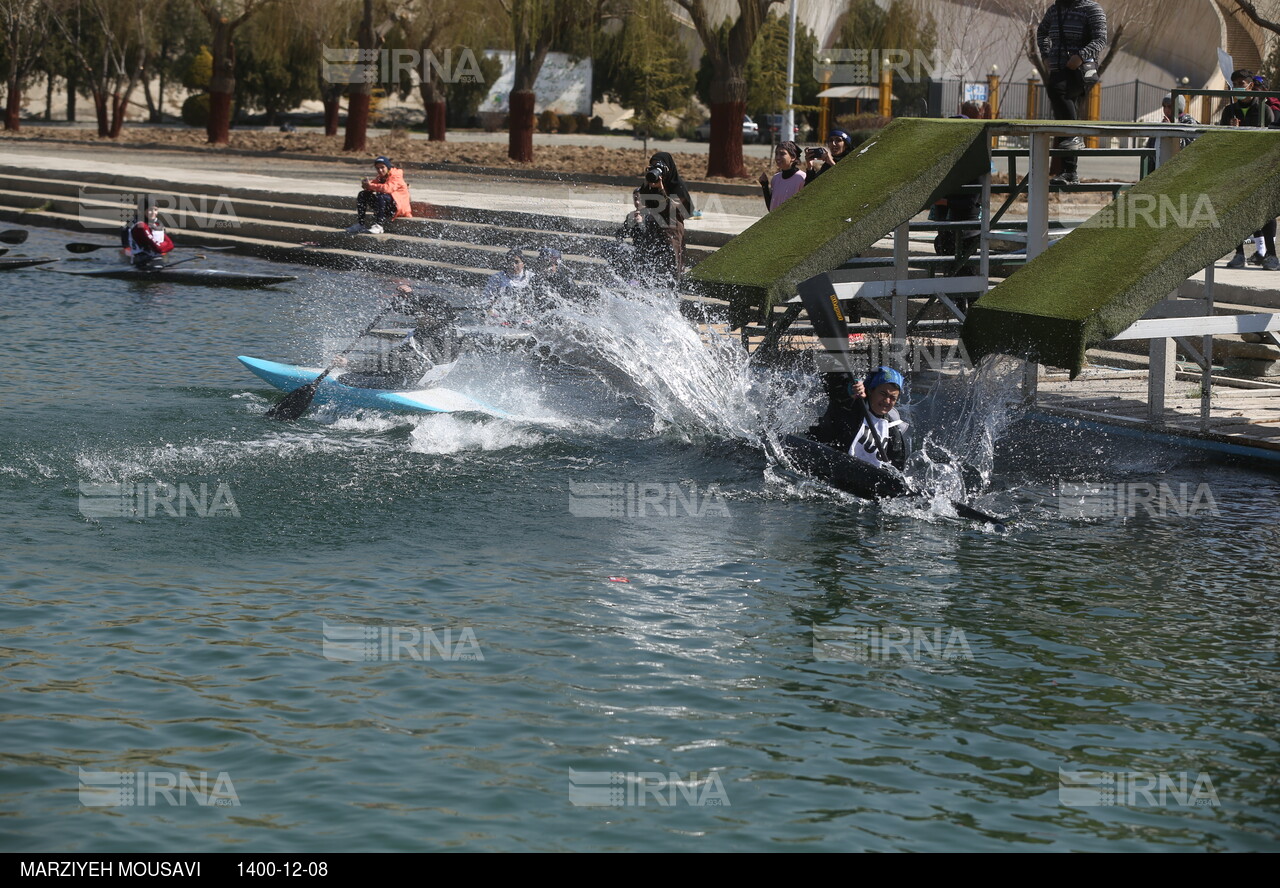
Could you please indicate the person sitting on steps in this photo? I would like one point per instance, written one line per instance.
(386, 197)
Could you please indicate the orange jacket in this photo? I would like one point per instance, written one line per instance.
(394, 185)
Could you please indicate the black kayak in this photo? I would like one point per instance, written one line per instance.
(861, 479)
(14, 264)
(209, 277)
(843, 471)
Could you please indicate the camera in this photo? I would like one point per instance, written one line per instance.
(813, 153)
(654, 173)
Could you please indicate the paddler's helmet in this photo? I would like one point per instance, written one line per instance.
(882, 376)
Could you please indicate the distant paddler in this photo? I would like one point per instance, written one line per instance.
(147, 240)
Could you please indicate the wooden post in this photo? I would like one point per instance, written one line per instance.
(1033, 97)
(886, 90)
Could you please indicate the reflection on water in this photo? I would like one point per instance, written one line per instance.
(853, 677)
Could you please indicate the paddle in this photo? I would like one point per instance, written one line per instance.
(13, 236)
(294, 404)
(823, 307)
(89, 248)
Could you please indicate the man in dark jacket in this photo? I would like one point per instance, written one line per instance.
(1071, 38)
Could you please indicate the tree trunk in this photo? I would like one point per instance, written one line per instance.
(222, 86)
(332, 107)
(433, 102)
(219, 127)
(360, 94)
(13, 107)
(119, 104)
(153, 113)
(728, 104)
(73, 84)
(100, 111)
(357, 120)
(48, 97)
(436, 116)
(520, 140)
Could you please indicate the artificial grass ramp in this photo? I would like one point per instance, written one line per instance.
(886, 181)
(1105, 275)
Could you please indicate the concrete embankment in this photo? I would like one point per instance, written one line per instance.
(268, 206)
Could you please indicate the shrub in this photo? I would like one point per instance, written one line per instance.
(597, 125)
(548, 121)
(583, 122)
(195, 110)
(568, 123)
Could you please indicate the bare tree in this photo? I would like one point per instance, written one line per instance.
(728, 84)
(536, 26)
(224, 17)
(25, 27)
(111, 52)
(1251, 11)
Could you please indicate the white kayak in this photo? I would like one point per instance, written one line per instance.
(332, 390)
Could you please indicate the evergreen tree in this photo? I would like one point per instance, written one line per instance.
(652, 76)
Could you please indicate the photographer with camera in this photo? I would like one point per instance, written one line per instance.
(789, 179)
(656, 226)
(839, 146)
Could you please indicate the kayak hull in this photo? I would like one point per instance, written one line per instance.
(209, 277)
(843, 471)
(288, 377)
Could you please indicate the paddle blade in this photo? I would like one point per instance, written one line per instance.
(13, 236)
(823, 307)
(294, 404)
(974, 515)
(87, 248)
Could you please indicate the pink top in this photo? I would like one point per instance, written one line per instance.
(780, 189)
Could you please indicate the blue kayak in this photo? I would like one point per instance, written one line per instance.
(332, 390)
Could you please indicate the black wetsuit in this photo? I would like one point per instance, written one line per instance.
(844, 418)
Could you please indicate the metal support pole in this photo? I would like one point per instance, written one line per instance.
(1037, 229)
(1206, 374)
(789, 115)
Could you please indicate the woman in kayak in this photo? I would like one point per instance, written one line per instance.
(148, 242)
(386, 196)
(856, 409)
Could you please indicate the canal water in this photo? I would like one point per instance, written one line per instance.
(608, 623)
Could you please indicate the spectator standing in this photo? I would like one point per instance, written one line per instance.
(1071, 37)
(789, 179)
(1249, 110)
(839, 146)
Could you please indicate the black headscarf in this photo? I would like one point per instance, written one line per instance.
(675, 185)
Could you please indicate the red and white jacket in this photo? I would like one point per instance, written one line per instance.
(149, 241)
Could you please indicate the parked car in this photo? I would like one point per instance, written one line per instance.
(772, 126)
(750, 131)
